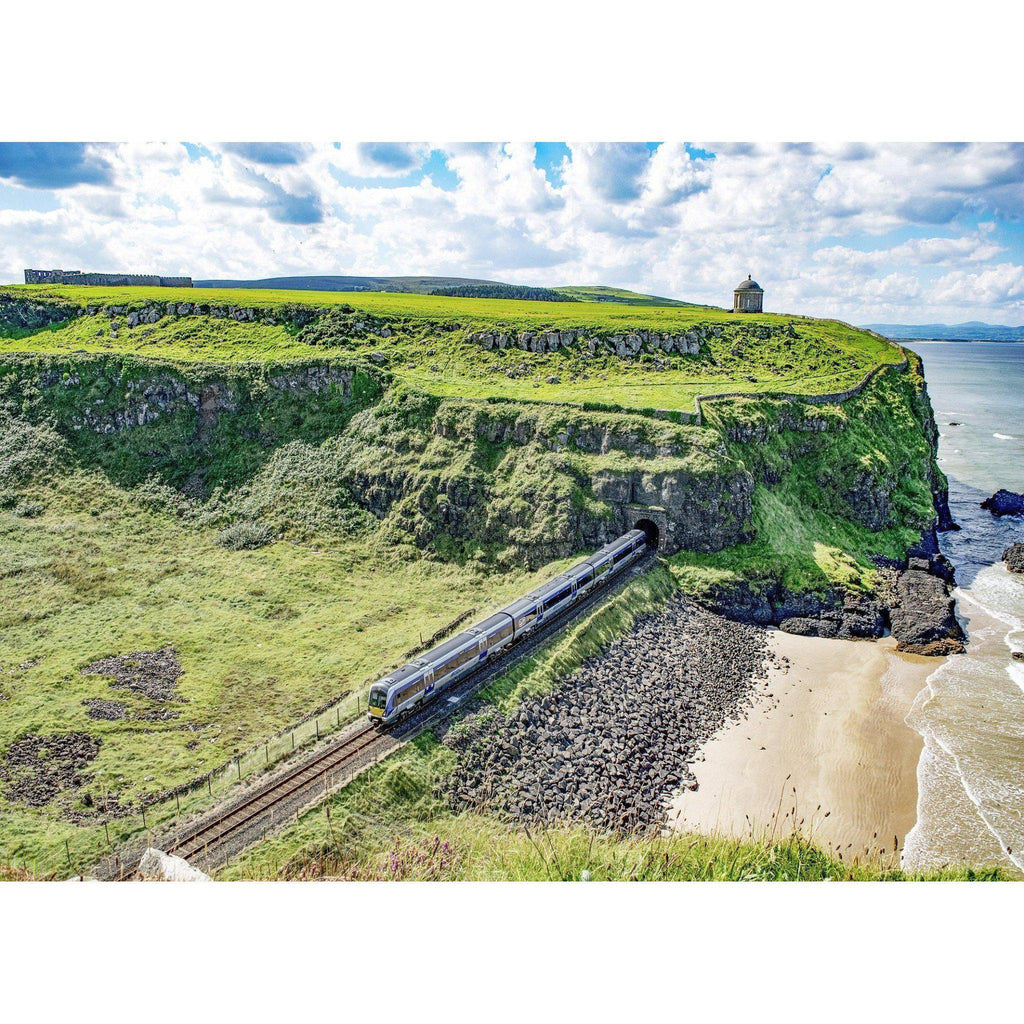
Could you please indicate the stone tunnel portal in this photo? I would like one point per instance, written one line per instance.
(652, 531)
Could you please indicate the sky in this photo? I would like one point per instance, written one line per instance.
(904, 233)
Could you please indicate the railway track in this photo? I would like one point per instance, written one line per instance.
(223, 832)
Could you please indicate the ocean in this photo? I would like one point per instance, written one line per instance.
(971, 710)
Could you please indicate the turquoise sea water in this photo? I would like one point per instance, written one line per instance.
(971, 711)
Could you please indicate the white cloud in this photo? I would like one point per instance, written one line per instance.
(862, 232)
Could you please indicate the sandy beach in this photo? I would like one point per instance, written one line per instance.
(825, 748)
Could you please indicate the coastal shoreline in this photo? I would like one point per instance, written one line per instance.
(824, 750)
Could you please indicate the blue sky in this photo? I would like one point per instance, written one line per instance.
(863, 232)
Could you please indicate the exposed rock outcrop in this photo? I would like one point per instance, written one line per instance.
(914, 599)
(1005, 503)
(1013, 556)
(30, 315)
(924, 615)
(623, 345)
(836, 613)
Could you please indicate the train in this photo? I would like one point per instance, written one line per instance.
(399, 693)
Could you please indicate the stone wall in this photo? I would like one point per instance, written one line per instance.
(827, 398)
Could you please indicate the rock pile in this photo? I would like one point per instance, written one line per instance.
(105, 710)
(36, 768)
(616, 739)
(153, 674)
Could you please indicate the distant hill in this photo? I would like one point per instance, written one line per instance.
(602, 293)
(418, 285)
(972, 330)
(469, 287)
(505, 291)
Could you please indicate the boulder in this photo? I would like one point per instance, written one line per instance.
(810, 627)
(924, 618)
(1013, 556)
(1005, 503)
(157, 866)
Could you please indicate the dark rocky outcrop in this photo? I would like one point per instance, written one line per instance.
(836, 613)
(1013, 556)
(923, 616)
(26, 314)
(1005, 503)
(914, 599)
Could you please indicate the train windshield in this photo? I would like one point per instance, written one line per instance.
(378, 698)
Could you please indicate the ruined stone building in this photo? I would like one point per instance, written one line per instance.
(113, 280)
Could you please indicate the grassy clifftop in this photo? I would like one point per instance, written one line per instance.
(432, 342)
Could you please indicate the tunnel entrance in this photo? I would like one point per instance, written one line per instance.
(651, 531)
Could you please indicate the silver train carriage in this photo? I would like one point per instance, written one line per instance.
(402, 691)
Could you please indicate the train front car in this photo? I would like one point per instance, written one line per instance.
(392, 694)
(378, 702)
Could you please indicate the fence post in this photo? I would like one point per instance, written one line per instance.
(106, 828)
(318, 730)
(266, 750)
(238, 766)
(177, 804)
(144, 825)
(293, 739)
(67, 850)
(209, 784)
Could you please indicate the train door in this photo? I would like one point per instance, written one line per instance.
(428, 683)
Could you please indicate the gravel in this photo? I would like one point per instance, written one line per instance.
(617, 738)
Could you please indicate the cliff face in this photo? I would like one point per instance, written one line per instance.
(499, 481)
(857, 485)
(337, 444)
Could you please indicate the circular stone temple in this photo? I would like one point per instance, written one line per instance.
(747, 297)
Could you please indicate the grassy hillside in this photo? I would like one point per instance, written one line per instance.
(290, 500)
(427, 344)
(89, 570)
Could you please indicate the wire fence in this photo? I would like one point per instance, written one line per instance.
(156, 816)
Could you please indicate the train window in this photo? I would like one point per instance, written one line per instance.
(560, 595)
(378, 698)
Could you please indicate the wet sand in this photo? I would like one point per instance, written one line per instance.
(828, 750)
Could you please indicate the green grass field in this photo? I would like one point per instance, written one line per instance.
(263, 637)
(429, 347)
